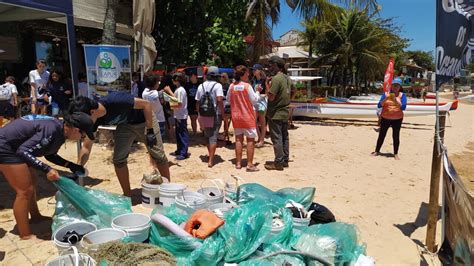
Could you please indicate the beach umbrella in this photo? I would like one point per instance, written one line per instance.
(143, 23)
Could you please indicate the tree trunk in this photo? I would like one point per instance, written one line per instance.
(108, 34)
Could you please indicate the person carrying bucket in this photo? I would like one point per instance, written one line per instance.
(25, 139)
(131, 116)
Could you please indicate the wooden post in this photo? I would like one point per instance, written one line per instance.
(434, 187)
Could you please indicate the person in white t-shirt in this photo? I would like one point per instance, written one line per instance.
(211, 125)
(38, 80)
(8, 99)
(152, 95)
(180, 111)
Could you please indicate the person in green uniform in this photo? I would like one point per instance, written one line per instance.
(278, 92)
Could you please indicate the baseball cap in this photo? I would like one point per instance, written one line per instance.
(397, 80)
(83, 122)
(213, 71)
(257, 67)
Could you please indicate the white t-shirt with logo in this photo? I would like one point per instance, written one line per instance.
(217, 91)
(153, 97)
(9, 89)
(40, 81)
(181, 112)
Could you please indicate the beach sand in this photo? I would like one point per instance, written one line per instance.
(386, 199)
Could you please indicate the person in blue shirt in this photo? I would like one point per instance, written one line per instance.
(131, 115)
(22, 142)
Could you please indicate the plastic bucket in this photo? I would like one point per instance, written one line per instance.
(212, 194)
(220, 209)
(136, 225)
(300, 223)
(189, 202)
(168, 192)
(73, 259)
(81, 227)
(150, 195)
(101, 236)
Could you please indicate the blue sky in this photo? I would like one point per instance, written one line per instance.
(416, 17)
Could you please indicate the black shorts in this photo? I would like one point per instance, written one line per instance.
(6, 109)
(7, 154)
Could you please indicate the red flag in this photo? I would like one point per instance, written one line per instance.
(387, 80)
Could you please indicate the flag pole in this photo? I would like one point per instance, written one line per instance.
(435, 164)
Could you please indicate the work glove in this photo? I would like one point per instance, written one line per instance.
(150, 138)
(203, 223)
(76, 169)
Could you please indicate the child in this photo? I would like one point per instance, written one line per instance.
(60, 94)
(8, 99)
(180, 111)
(152, 95)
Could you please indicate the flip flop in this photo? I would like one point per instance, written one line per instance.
(238, 166)
(252, 169)
(259, 145)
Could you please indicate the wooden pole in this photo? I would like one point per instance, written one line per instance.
(434, 186)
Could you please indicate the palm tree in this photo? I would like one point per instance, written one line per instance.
(311, 31)
(260, 11)
(327, 8)
(358, 43)
(108, 34)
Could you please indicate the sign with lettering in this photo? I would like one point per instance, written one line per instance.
(454, 38)
(108, 68)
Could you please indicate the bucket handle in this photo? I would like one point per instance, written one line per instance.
(237, 179)
(76, 255)
(214, 182)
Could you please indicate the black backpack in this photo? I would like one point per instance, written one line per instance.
(206, 103)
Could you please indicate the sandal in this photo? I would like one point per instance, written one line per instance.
(238, 166)
(375, 153)
(252, 169)
(259, 145)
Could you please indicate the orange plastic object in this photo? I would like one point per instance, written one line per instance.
(203, 223)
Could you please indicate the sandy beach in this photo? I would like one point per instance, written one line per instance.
(386, 199)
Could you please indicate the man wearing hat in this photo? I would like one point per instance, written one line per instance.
(278, 93)
(211, 125)
(25, 139)
(120, 108)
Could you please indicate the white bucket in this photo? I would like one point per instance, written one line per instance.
(220, 209)
(150, 195)
(300, 223)
(81, 228)
(101, 236)
(212, 194)
(73, 259)
(136, 225)
(189, 202)
(168, 192)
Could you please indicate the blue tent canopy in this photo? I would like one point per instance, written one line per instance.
(19, 10)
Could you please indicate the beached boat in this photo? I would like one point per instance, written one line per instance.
(362, 109)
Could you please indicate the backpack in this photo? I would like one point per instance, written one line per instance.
(206, 103)
(5, 92)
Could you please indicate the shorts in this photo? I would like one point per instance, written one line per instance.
(39, 102)
(248, 132)
(126, 134)
(212, 133)
(6, 109)
(192, 109)
(7, 154)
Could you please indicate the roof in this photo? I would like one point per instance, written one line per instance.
(91, 14)
(288, 52)
(292, 30)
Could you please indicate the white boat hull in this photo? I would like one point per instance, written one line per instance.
(358, 110)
